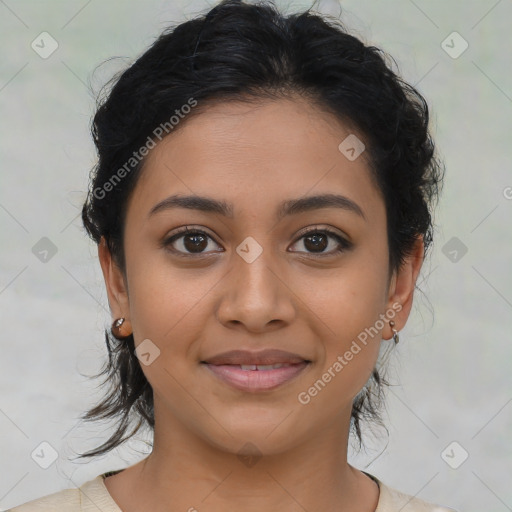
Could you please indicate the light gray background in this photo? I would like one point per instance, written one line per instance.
(452, 368)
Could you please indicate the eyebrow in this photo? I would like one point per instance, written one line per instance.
(285, 208)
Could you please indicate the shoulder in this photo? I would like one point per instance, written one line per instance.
(90, 496)
(67, 499)
(392, 500)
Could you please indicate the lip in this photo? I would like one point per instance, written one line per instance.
(227, 367)
(248, 357)
(256, 380)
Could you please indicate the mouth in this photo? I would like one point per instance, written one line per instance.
(256, 372)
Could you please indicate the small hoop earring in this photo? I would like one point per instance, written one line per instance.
(116, 329)
(396, 338)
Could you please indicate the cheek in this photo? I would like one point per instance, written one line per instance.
(350, 331)
(162, 296)
(346, 309)
(348, 300)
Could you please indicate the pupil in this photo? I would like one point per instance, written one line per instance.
(196, 244)
(316, 243)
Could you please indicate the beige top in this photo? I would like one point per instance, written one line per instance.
(93, 496)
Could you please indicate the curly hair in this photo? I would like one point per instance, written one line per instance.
(246, 52)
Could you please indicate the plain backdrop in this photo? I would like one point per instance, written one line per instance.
(452, 394)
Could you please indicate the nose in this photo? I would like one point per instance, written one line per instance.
(255, 295)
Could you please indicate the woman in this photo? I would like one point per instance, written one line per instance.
(262, 207)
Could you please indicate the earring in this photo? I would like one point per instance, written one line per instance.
(396, 338)
(117, 327)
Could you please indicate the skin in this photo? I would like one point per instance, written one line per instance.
(192, 307)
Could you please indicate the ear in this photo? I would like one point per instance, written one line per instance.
(401, 289)
(114, 281)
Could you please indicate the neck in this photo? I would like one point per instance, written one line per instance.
(185, 472)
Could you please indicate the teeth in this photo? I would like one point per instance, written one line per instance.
(262, 366)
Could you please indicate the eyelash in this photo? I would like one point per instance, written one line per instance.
(343, 244)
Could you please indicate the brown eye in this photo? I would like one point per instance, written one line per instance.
(316, 242)
(189, 241)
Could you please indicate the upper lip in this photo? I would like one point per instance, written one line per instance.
(262, 357)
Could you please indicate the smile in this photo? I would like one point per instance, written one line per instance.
(257, 377)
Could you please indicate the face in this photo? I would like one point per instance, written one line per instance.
(307, 279)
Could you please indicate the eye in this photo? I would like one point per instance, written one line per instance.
(193, 241)
(188, 241)
(316, 240)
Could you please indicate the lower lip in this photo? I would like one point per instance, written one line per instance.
(256, 380)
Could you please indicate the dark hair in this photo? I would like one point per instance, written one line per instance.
(247, 52)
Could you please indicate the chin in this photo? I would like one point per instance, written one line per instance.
(271, 435)
(252, 445)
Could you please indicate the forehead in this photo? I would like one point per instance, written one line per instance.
(254, 156)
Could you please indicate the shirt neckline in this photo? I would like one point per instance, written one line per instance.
(97, 494)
